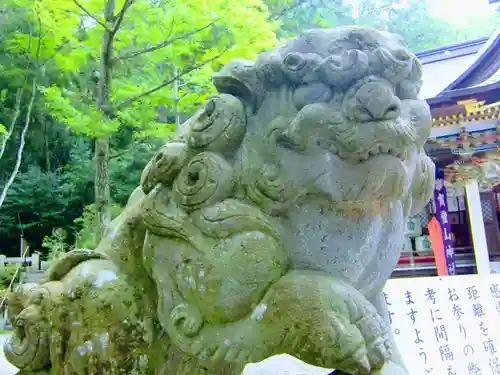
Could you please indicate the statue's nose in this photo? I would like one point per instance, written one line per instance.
(375, 101)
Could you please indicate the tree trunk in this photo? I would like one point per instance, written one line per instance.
(48, 164)
(101, 186)
(101, 182)
(17, 110)
(20, 149)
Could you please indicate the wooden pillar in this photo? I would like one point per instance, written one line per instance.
(476, 223)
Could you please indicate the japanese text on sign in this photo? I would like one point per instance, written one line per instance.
(447, 325)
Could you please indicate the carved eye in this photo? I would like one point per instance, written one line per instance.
(294, 61)
(396, 64)
(407, 90)
(410, 87)
(340, 70)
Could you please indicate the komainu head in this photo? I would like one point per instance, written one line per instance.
(332, 112)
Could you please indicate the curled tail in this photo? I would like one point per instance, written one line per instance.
(31, 309)
(28, 347)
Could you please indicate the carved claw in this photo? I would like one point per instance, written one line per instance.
(186, 320)
(376, 337)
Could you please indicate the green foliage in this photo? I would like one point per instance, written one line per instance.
(158, 44)
(6, 275)
(411, 19)
(80, 118)
(86, 239)
(56, 244)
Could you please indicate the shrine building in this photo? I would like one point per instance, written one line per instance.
(459, 232)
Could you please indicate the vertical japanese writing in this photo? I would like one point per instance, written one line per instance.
(412, 314)
(390, 312)
(495, 294)
(448, 325)
(441, 203)
(489, 345)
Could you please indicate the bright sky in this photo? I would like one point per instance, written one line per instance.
(457, 11)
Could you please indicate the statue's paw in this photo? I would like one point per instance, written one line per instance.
(376, 336)
(366, 329)
(348, 351)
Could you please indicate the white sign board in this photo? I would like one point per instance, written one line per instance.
(443, 326)
(449, 325)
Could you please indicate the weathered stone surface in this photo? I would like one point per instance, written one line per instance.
(270, 225)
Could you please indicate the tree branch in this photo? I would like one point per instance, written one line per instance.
(20, 149)
(166, 83)
(166, 42)
(58, 49)
(287, 10)
(129, 149)
(121, 16)
(92, 16)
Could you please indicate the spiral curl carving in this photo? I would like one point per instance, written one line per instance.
(219, 126)
(266, 188)
(302, 67)
(206, 179)
(29, 346)
(239, 78)
(269, 68)
(165, 166)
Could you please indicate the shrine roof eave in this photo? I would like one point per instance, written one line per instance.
(452, 96)
(487, 62)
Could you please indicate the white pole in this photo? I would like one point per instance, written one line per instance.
(476, 223)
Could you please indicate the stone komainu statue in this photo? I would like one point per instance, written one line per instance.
(270, 225)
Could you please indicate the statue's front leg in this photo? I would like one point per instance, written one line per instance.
(314, 317)
(396, 366)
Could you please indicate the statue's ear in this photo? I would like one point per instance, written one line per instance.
(239, 78)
